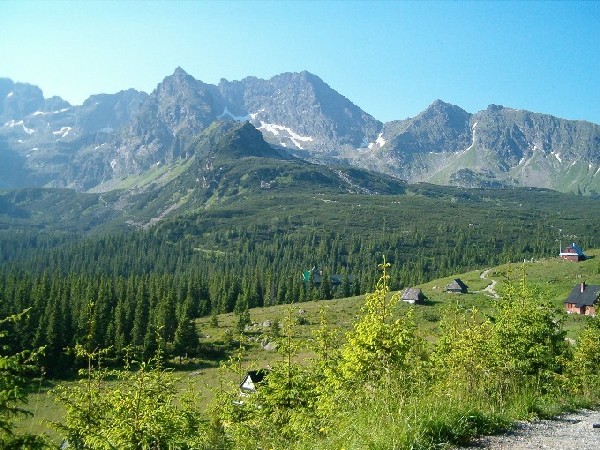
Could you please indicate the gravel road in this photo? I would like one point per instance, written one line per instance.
(569, 432)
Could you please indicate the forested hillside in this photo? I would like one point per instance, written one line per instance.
(252, 252)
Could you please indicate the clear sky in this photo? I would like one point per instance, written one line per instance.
(391, 58)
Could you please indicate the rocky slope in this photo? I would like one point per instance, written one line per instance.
(495, 147)
(41, 139)
(94, 146)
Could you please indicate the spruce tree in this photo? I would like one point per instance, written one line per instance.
(186, 338)
(141, 316)
(326, 289)
(15, 384)
(167, 318)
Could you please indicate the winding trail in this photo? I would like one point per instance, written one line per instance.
(573, 431)
(490, 289)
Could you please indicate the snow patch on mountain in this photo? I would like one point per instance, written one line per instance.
(379, 142)
(472, 141)
(277, 129)
(526, 161)
(226, 112)
(64, 131)
(255, 114)
(14, 123)
(557, 156)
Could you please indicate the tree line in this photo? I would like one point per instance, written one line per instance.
(134, 285)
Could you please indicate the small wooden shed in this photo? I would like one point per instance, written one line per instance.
(413, 295)
(457, 286)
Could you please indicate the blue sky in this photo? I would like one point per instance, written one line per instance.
(391, 58)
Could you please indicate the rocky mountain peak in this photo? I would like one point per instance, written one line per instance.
(19, 99)
(179, 72)
(495, 108)
(179, 83)
(114, 136)
(446, 112)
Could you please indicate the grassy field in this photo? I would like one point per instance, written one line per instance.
(553, 276)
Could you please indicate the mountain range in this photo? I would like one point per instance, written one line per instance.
(112, 141)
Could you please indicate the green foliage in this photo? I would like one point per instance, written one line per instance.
(528, 333)
(519, 350)
(379, 342)
(582, 375)
(465, 358)
(16, 381)
(185, 342)
(142, 409)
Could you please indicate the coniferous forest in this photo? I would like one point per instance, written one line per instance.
(137, 293)
(143, 281)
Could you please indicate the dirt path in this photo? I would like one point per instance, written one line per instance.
(569, 432)
(490, 289)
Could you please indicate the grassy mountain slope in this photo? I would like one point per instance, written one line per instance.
(555, 277)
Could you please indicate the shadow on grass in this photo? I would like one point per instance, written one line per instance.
(430, 302)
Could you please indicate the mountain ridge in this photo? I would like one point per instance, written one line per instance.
(48, 142)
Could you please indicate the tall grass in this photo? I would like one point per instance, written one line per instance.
(423, 419)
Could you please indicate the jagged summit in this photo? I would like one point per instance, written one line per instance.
(179, 71)
(493, 107)
(240, 140)
(441, 108)
(48, 142)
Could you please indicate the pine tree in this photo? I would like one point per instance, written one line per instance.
(346, 287)
(326, 289)
(377, 344)
(241, 311)
(15, 385)
(214, 318)
(167, 319)
(141, 316)
(186, 338)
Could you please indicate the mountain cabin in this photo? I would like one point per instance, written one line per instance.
(413, 295)
(457, 286)
(317, 275)
(572, 252)
(583, 299)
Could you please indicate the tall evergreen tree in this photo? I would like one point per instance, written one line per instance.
(186, 338)
(141, 315)
(326, 289)
(167, 318)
